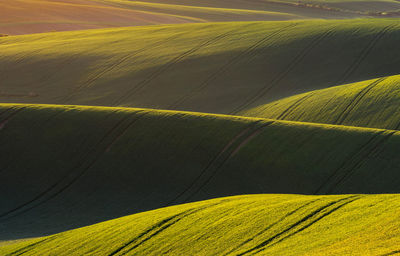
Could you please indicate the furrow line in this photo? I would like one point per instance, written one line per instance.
(364, 54)
(391, 253)
(290, 109)
(314, 214)
(30, 246)
(250, 52)
(35, 201)
(228, 149)
(222, 160)
(348, 162)
(108, 69)
(156, 229)
(281, 76)
(8, 118)
(165, 67)
(270, 226)
(375, 148)
(353, 103)
(329, 212)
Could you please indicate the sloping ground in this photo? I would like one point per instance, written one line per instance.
(221, 68)
(66, 167)
(242, 225)
(34, 16)
(307, 8)
(373, 103)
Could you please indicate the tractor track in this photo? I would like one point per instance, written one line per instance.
(270, 226)
(353, 103)
(219, 160)
(364, 54)
(113, 66)
(353, 162)
(282, 75)
(374, 149)
(155, 230)
(250, 52)
(302, 224)
(168, 65)
(68, 178)
(292, 107)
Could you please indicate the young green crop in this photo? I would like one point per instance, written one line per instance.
(241, 225)
(215, 67)
(65, 167)
(373, 103)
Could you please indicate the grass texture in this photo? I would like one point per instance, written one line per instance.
(240, 225)
(68, 166)
(373, 103)
(222, 68)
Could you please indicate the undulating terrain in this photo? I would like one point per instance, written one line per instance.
(263, 127)
(241, 225)
(35, 16)
(232, 67)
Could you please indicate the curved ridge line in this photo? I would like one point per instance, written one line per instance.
(242, 143)
(360, 162)
(241, 136)
(169, 64)
(364, 54)
(111, 67)
(262, 246)
(73, 180)
(157, 228)
(282, 75)
(290, 109)
(357, 98)
(249, 51)
(271, 225)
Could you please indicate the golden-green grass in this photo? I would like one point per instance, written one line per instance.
(241, 225)
(373, 103)
(214, 67)
(69, 166)
(35, 16)
(203, 13)
(306, 8)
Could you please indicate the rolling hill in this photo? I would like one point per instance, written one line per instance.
(275, 134)
(232, 67)
(37, 16)
(69, 166)
(241, 225)
(373, 103)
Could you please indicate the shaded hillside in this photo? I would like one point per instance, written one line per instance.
(222, 68)
(242, 225)
(65, 167)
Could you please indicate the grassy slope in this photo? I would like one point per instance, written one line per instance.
(64, 167)
(372, 103)
(242, 225)
(33, 16)
(307, 8)
(170, 67)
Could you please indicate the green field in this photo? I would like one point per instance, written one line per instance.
(373, 103)
(233, 67)
(242, 225)
(259, 127)
(133, 160)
